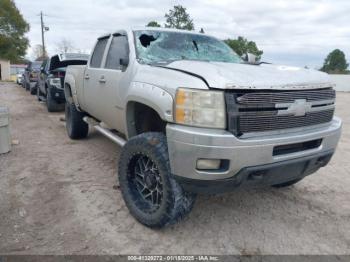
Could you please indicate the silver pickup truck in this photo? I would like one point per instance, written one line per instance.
(193, 117)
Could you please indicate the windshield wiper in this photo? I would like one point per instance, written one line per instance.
(165, 62)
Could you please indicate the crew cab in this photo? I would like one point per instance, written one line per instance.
(193, 117)
(30, 76)
(50, 83)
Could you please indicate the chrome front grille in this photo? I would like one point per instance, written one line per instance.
(275, 110)
(268, 98)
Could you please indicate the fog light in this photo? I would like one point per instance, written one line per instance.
(208, 164)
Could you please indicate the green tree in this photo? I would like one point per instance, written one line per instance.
(13, 43)
(179, 18)
(335, 62)
(242, 46)
(153, 24)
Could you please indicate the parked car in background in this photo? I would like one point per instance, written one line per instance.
(31, 74)
(51, 78)
(17, 72)
(20, 77)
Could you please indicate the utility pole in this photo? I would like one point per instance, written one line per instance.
(43, 30)
(42, 33)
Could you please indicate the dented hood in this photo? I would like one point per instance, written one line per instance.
(246, 76)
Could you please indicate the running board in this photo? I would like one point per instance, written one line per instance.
(104, 131)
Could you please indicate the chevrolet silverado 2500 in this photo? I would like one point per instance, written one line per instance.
(193, 117)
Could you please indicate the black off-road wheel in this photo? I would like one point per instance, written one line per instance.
(33, 90)
(38, 94)
(75, 125)
(149, 190)
(287, 184)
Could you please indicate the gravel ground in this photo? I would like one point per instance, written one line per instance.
(58, 196)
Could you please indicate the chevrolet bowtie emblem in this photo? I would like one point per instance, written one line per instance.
(299, 108)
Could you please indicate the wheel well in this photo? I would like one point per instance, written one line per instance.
(142, 119)
(46, 88)
(68, 93)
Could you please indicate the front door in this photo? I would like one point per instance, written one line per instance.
(42, 76)
(114, 74)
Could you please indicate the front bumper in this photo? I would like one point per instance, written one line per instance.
(33, 84)
(57, 94)
(188, 144)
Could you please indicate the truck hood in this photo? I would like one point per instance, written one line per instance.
(245, 76)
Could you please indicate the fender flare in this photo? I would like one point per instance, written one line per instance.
(70, 91)
(152, 96)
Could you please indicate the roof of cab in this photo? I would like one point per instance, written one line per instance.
(161, 29)
(72, 56)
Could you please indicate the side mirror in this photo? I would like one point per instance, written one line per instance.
(124, 61)
(250, 58)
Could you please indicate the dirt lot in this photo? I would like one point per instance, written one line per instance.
(57, 196)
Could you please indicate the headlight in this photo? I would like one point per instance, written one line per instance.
(200, 108)
(55, 82)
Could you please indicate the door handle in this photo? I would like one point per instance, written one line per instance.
(102, 79)
(87, 76)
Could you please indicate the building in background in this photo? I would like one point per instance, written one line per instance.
(4, 69)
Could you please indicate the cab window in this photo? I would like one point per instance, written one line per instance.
(47, 66)
(97, 55)
(43, 66)
(118, 50)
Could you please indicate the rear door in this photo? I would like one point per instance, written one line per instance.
(114, 74)
(93, 79)
(42, 76)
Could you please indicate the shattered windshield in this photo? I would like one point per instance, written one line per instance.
(163, 47)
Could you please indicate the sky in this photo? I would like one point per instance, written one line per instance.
(298, 32)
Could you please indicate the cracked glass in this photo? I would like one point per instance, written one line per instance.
(154, 47)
